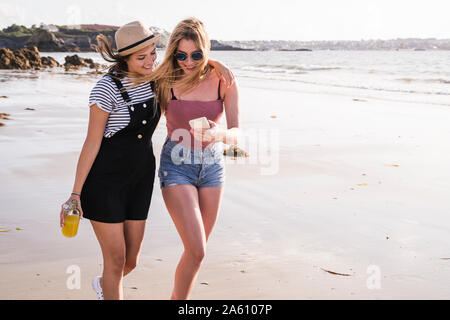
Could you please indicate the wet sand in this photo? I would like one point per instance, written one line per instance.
(353, 206)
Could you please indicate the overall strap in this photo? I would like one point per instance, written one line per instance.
(122, 90)
(152, 85)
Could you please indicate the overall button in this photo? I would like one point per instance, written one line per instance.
(144, 121)
(145, 105)
(139, 136)
(132, 108)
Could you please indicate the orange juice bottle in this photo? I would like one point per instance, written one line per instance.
(71, 219)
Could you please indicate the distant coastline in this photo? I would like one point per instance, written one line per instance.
(52, 38)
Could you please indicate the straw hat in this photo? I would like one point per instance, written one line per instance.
(133, 37)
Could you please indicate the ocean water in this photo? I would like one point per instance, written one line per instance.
(412, 76)
(417, 77)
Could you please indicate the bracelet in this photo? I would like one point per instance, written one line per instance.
(75, 194)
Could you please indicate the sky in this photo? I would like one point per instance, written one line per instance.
(250, 19)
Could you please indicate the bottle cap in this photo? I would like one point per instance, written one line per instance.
(72, 209)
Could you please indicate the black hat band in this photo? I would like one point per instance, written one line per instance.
(136, 44)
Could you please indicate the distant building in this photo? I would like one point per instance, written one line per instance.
(49, 27)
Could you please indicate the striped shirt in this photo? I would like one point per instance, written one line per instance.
(107, 97)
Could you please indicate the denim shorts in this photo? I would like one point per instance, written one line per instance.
(201, 168)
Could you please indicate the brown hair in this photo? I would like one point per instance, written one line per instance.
(119, 67)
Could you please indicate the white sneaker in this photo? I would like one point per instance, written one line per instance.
(97, 287)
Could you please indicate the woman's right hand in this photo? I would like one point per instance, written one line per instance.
(223, 72)
(61, 215)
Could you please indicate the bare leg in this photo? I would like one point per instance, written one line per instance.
(182, 202)
(209, 200)
(134, 234)
(112, 242)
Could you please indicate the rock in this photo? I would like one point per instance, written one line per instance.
(299, 49)
(49, 62)
(218, 45)
(33, 56)
(71, 47)
(91, 63)
(68, 40)
(163, 36)
(13, 42)
(78, 43)
(24, 59)
(98, 72)
(46, 41)
(5, 116)
(13, 59)
(75, 62)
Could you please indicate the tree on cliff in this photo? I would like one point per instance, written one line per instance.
(16, 30)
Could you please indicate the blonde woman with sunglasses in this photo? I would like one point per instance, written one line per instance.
(192, 171)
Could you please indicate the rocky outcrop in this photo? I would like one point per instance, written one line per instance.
(4, 116)
(46, 41)
(82, 42)
(12, 42)
(75, 62)
(78, 43)
(68, 40)
(163, 36)
(300, 49)
(49, 62)
(24, 59)
(218, 45)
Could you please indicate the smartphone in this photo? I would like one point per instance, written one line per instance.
(199, 123)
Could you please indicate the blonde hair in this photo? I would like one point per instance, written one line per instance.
(168, 74)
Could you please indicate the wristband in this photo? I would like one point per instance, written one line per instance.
(75, 194)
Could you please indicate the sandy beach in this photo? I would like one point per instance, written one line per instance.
(351, 202)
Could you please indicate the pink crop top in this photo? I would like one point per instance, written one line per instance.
(179, 112)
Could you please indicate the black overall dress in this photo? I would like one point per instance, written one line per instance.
(119, 185)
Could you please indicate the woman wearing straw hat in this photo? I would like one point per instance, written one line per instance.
(116, 168)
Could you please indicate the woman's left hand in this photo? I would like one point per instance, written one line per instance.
(213, 134)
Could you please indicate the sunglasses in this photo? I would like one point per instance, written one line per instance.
(181, 56)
